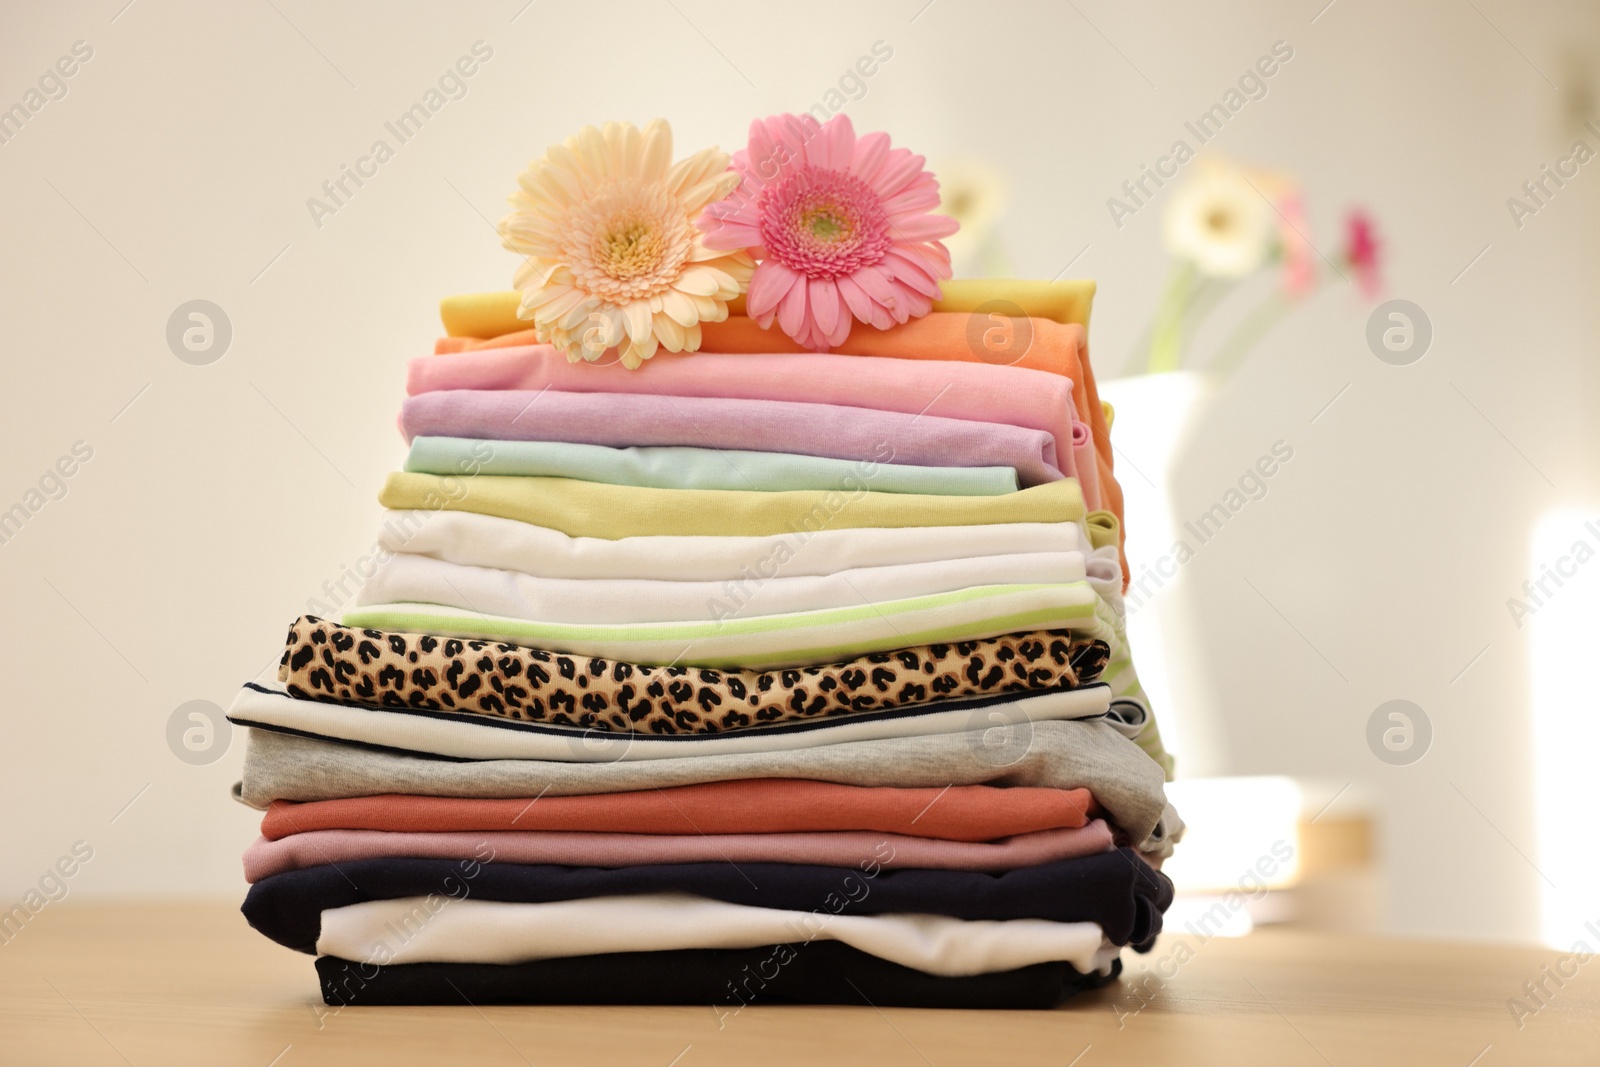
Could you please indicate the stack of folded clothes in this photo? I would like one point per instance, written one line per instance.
(725, 672)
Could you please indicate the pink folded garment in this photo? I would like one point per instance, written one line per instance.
(314, 848)
(973, 392)
(1084, 466)
(623, 419)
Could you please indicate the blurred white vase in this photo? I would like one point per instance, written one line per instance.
(1156, 419)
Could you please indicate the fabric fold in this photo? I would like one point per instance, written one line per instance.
(439, 930)
(969, 392)
(591, 509)
(697, 468)
(865, 436)
(474, 737)
(576, 848)
(1115, 890)
(325, 661)
(508, 544)
(756, 805)
(407, 578)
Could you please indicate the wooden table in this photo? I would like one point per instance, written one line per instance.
(170, 984)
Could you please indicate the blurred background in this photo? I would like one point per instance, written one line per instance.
(1405, 338)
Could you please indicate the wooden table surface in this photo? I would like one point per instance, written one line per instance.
(173, 984)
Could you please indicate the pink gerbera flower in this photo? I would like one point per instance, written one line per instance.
(841, 226)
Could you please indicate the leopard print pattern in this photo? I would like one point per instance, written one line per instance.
(328, 662)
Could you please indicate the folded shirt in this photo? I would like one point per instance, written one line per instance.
(592, 509)
(861, 435)
(442, 930)
(1105, 576)
(325, 661)
(757, 805)
(698, 468)
(726, 980)
(489, 541)
(484, 737)
(993, 337)
(1128, 784)
(407, 578)
(976, 392)
(1115, 890)
(470, 315)
(577, 848)
(796, 639)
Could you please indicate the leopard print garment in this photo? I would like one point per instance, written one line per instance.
(329, 662)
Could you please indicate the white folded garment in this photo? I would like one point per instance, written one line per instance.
(440, 929)
(487, 541)
(406, 578)
(759, 642)
(461, 735)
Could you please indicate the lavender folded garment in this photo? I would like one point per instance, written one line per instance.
(315, 848)
(979, 392)
(619, 420)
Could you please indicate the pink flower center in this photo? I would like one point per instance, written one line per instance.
(823, 223)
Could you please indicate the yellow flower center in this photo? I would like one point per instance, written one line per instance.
(1219, 221)
(629, 247)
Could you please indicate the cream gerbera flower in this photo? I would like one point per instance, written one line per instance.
(614, 259)
(1220, 221)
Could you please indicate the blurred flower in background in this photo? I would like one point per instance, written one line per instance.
(975, 194)
(1228, 223)
(1219, 222)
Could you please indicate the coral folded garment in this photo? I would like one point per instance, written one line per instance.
(1128, 784)
(407, 578)
(592, 509)
(1115, 890)
(439, 930)
(325, 661)
(797, 639)
(816, 972)
(489, 541)
(975, 392)
(478, 737)
(861, 435)
(317, 848)
(754, 805)
(697, 468)
(485, 315)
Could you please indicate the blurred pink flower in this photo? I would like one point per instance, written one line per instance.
(1363, 252)
(1299, 258)
(842, 226)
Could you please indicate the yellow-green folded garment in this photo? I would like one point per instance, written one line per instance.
(594, 509)
(494, 314)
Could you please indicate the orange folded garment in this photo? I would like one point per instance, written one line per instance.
(1046, 345)
(757, 805)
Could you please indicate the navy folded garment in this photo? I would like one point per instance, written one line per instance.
(816, 972)
(1116, 889)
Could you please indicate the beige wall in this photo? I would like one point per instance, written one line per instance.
(220, 498)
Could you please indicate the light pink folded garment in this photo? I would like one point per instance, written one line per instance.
(578, 849)
(973, 392)
(866, 435)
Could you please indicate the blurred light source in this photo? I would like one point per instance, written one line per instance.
(1242, 833)
(1563, 624)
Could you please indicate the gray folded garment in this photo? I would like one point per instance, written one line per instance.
(1061, 755)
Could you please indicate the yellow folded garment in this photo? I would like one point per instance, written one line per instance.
(494, 314)
(595, 509)
(1103, 529)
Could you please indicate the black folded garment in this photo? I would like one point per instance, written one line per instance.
(818, 972)
(1115, 889)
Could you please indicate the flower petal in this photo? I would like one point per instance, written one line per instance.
(792, 312)
(770, 284)
(825, 303)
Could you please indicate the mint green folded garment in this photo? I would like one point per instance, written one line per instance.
(698, 468)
